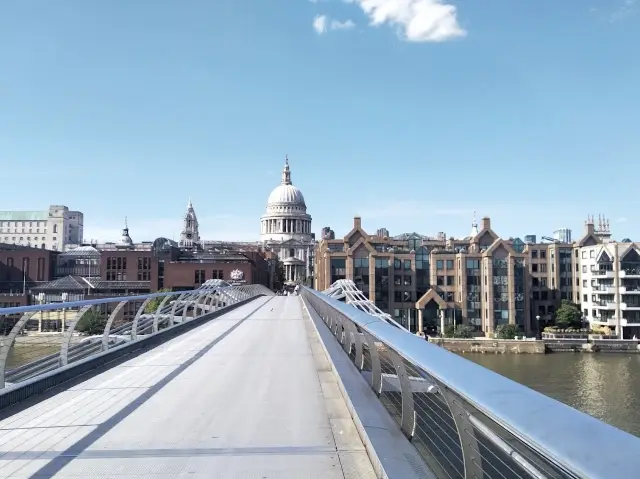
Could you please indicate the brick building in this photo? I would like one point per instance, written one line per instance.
(479, 280)
(22, 268)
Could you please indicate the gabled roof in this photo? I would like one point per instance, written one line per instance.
(431, 295)
(589, 240)
(359, 243)
(68, 283)
(627, 251)
(497, 244)
(604, 256)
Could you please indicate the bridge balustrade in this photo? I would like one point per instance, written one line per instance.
(467, 421)
(40, 339)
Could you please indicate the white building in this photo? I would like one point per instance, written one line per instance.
(53, 229)
(609, 280)
(610, 288)
(286, 229)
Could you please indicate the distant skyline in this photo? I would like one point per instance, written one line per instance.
(127, 108)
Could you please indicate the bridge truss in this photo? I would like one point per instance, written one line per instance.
(347, 291)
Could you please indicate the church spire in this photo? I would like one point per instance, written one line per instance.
(474, 226)
(190, 235)
(126, 239)
(286, 172)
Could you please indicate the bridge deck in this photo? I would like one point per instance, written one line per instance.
(246, 395)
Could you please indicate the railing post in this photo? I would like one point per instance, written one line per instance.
(7, 342)
(357, 338)
(176, 303)
(136, 319)
(156, 317)
(408, 407)
(466, 434)
(376, 368)
(107, 327)
(68, 334)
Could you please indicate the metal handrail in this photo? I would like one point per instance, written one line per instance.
(40, 353)
(498, 421)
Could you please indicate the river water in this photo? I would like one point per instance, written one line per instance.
(606, 386)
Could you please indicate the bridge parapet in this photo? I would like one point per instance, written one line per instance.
(467, 421)
(36, 340)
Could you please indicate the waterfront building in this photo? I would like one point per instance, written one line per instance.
(609, 280)
(285, 229)
(479, 280)
(54, 229)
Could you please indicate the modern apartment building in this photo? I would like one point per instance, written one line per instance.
(51, 229)
(479, 280)
(609, 281)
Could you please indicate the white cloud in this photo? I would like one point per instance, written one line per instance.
(338, 25)
(218, 227)
(418, 20)
(625, 9)
(320, 24)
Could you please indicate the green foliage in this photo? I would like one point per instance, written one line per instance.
(462, 331)
(279, 275)
(154, 304)
(92, 323)
(568, 315)
(506, 331)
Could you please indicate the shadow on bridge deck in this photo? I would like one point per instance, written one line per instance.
(240, 396)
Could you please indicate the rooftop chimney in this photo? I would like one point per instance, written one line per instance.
(486, 223)
(357, 222)
(589, 227)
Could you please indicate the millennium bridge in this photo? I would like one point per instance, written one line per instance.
(236, 382)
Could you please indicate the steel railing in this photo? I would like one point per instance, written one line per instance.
(85, 328)
(467, 421)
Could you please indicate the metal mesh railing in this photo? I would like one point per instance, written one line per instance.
(466, 421)
(37, 339)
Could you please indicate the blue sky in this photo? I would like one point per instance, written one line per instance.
(128, 108)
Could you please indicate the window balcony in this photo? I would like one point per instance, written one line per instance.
(630, 273)
(601, 273)
(629, 289)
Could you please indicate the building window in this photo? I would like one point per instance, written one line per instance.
(40, 273)
(439, 264)
(199, 276)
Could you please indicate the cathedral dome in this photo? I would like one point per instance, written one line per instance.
(286, 195)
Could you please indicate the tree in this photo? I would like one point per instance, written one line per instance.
(462, 331)
(506, 331)
(92, 322)
(568, 315)
(279, 279)
(154, 304)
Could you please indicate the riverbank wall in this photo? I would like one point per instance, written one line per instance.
(490, 346)
(628, 346)
(531, 346)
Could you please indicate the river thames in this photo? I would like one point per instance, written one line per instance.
(606, 386)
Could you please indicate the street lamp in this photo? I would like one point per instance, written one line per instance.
(538, 320)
